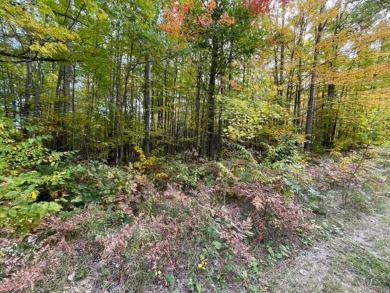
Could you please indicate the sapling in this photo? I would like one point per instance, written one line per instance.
(368, 133)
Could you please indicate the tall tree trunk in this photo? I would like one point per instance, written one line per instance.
(313, 84)
(62, 105)
(210, 151)
(37, 89)
(332, 116)
(197, 105)
(298, 88)
(147, 105)
(28, 90)
(282, 56)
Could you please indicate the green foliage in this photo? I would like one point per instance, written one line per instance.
(276, 253)
(185, 174)
(247, 114)
(82, 274)
(284, 153)
(195, 285)
(239, 164)
(170, 279)
(37, 181)
(20, 153)
(26, 167)
(262, 89)
(95, 181)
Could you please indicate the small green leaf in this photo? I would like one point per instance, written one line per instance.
(198, 287)
(170, 279)
(77, 199)
(54, 207)
(12, 213)
(217, 245)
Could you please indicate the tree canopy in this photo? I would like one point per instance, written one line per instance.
(170, 76)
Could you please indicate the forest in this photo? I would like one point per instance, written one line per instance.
(171, 146)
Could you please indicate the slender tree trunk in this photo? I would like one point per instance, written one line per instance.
(28, 90)
(332, 116)
(313, 84)
(37, 89)
(298, 89)
(297, 101)
(197, 106)
(282, 57)
(211, 106)
(62, 105)
(147, 105)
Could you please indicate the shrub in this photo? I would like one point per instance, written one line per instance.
(286, 151)
(26, 165)
(94, 181)
(184, 174)
(269, 211)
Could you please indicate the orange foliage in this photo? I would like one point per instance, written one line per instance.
(211, 6)
(174, 17)
(205, 20)
(176, 13)
(234, 84)
(225, 18)
(258, 6)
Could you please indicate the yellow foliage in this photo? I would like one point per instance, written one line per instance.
(34, 194)
(160, 175)
(143, 163)
(49, 49)
(202, 265)
(345, 161)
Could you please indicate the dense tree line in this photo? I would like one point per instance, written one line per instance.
(105, 76)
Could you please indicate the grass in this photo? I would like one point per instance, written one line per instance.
(374, 270)
(386, 219)
(58, 277)
(331, 285)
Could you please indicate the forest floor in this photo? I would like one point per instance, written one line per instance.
(350, 254)
(346, 250)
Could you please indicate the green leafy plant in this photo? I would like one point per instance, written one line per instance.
(26, 166)
(247, 116)
(195, 284)
(183, 173)
(286, 151)
(170, 279)
(96, 181)
(276, 253)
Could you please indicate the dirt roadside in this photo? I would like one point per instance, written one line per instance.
(356, 260)
(341, 264)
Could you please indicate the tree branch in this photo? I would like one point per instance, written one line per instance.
(23, 58)
(70, 17)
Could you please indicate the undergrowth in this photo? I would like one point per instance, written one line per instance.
(171, 223)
